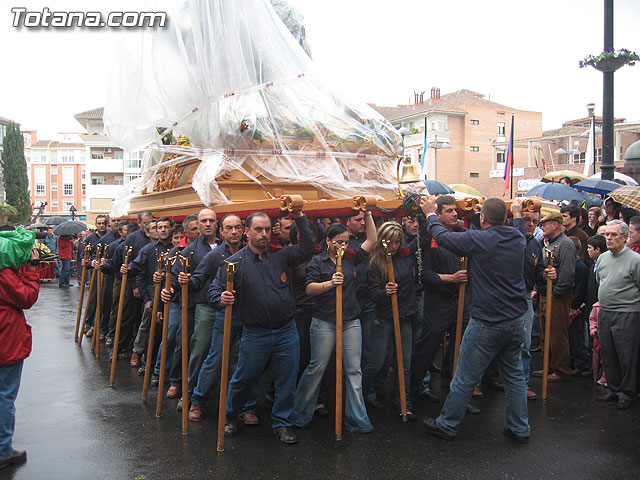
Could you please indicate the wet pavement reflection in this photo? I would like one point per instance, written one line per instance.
(73, 425)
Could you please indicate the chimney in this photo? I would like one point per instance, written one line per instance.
(435, 96)
(590, 108)
(421, 97)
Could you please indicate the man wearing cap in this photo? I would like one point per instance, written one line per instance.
(562, 273)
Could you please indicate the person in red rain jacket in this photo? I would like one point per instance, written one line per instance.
(18, 291)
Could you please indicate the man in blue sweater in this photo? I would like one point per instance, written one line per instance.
(498, 308)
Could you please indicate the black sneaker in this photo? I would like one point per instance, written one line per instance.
(155, 380)
(230, 427)
(16, 458)
(286, 435)
(507, 432)
(434, 429)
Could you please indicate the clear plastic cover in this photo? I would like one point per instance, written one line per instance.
(233, 79)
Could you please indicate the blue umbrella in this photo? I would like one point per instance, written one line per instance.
(435, 187)
(555, 191)
(596, 185)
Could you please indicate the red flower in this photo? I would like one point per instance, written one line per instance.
(404, 252)
(318, 248)
(348, 253)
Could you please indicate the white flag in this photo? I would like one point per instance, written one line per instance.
(589, 156)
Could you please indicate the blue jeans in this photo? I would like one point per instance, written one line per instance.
(526, 354)
(323, 342)
(9, 385)
(257, 347)
(65, 273)
(481, 343)
(175, 317)
(383, 337)
(212, 365)
(200, 341)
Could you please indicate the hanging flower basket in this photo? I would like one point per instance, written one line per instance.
(611, 60)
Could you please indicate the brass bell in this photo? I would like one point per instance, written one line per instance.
(410, 173)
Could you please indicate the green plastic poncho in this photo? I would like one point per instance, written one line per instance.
(15, 247)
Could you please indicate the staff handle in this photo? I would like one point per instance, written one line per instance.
(87, 251)
(396, 331)
(185, 347)
(461, 291)
(338, 418)
(123, 288)
(547, 329)
(224, 372)
(165, 334)
(152, 331)
(92, 284)
(95, 338)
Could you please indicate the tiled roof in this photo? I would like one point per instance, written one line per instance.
(7, 120)
(95, 113)
(570, 130)
(450, 102)
(56, 144)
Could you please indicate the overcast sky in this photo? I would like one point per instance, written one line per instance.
(523, 54)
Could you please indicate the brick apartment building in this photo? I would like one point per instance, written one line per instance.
(56, 171)
(108, 167)
(472, 135)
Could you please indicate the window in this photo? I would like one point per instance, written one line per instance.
(84, 205)
(598, 155)
(54, 187)
(84, 186)
(473, 175)
(68, 189)
(501, 129)
(442, 125)
(39, 156)
(475, 122)
(433, 125)
(54, 204)
(475, 149)
(119, 180)
(67, 156)
(40, 175)
(500, 157)
(130, 176)
(97, 156)
(66, 205)
(67, 180)
(133, 164)
(83, 173)
(97, 180)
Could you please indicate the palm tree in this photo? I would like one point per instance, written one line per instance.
(5, 211)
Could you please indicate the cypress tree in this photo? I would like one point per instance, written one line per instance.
(14, 166)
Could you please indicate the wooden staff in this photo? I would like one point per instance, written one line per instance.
(123, 288)
(547, 327)
(92, 284)
(222, 406)
(339, 254)
(396, 331)
(87, 251)
(185, 346)
(461, 290)
(165, 333)
(152, 330)
(95, 340)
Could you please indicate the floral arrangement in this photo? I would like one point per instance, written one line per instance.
(629, 57)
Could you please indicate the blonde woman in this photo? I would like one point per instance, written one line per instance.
(381, 290)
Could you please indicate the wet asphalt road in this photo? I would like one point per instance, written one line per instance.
(74, 426)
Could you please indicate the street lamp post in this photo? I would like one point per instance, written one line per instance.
(437, 147)
(562, 151)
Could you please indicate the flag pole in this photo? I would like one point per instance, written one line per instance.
(513, 157)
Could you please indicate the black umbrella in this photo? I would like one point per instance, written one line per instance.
(54, 220)
(69, 228)
(435, 187)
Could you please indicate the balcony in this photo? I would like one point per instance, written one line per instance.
(418, 138)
